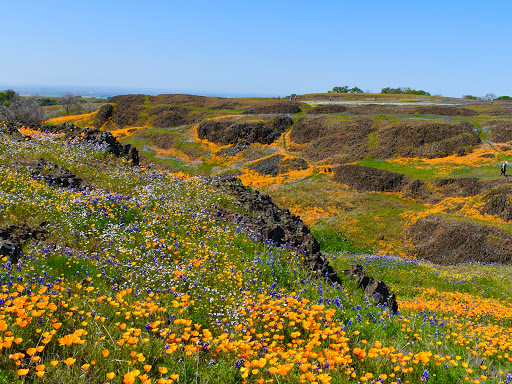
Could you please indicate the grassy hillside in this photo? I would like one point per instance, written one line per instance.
(423, 137)
(135, 281)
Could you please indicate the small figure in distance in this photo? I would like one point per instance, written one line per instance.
(295, 98)
(504, 168)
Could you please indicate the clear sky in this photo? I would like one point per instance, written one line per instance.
(259, 47)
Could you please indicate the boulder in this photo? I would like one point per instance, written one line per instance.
(376, 289)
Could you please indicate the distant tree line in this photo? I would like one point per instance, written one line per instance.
(404, 91)
(346, 89)
(487, 97)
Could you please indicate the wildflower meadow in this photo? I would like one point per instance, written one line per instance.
(137, 281)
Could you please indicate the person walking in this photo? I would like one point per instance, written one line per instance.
(504, 168)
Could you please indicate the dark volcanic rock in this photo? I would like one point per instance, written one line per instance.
(499, 203)
(119, 150)
(13, 236)
(376, 289)
(282, 123)
(445, 241)
(288, 107)
(103, 115)
(56, 175)
(278, 164)
(276, 225)
(12, 131)
(326, 109)
(228, 131)
(500, 131)
(464, 187)
(425, 139)
(367, 179)
(234, 150)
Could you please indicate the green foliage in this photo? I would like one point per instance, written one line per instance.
(47, 101)
(470, 97)
(503, 98)
(404, 91)
(332, 240)
(7, 96)
(346, 89)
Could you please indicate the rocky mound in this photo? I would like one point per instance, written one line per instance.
(436, 110)
(55, 175)
(443, 241)
(500, 131)
(278, 164)
(464, 187)
(288, 107)
(127, 109)
(12, 237)
(365, 179)
(169, 116)
(231, 131)
(234, 150)
(425, 139)
(326, 136)
(326, 109)
(125, 151)
(103, 115)
(499, 203)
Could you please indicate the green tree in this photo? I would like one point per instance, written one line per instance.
(343, 89)
(504, 98)
(355, 90)
(7, 96)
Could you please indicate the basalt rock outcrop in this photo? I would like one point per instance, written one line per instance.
(499, 203)
(281, 227)
(13, 236)
(117, 149)
(278, 164)
(231, 131)
(234, 150)
(12, 131)
(369, 179)
(325, 109)
(447, 242)
(71, 131)
(56, 175)
(103, 115)
(376, 289)
(287, 107)
(275, 225)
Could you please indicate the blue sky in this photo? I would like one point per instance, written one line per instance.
(265, 47)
